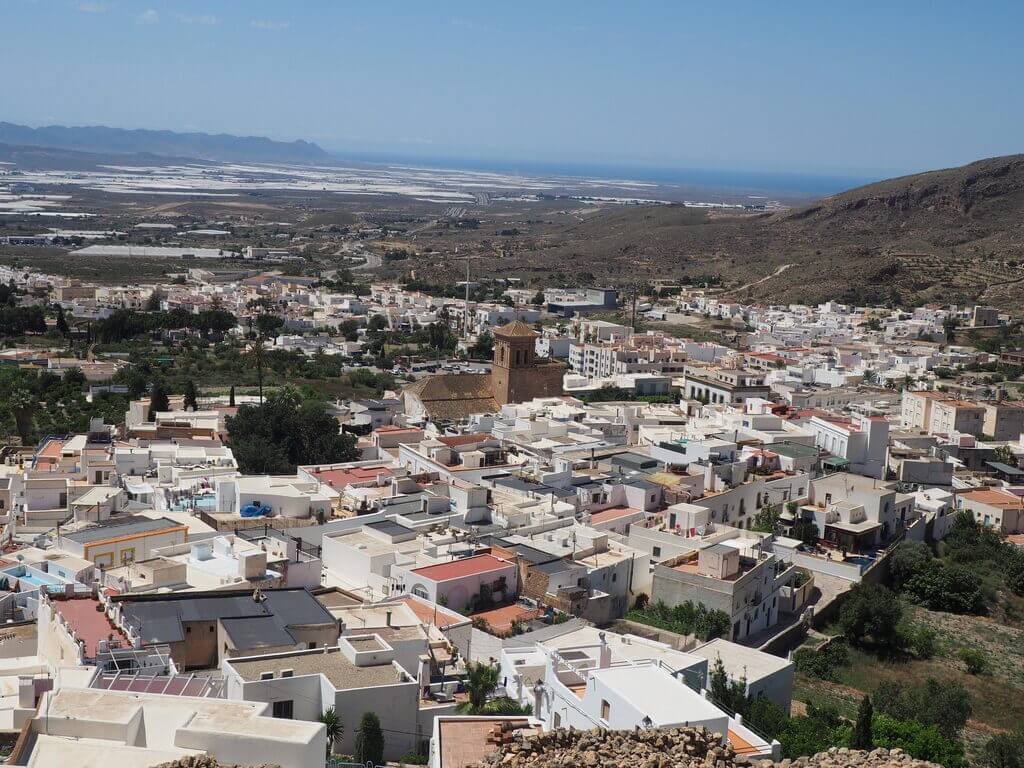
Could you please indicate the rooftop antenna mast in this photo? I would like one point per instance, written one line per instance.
(465, 307)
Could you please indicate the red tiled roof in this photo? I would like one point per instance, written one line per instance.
(455, 440)
(501, 619)
(467, 566)
(339, 478)
(89, 624)
(612, 513)
(439, 616)
(994, 498)
(52, 449)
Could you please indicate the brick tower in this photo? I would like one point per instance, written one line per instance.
(514, 370)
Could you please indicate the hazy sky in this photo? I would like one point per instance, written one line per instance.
(860, 88)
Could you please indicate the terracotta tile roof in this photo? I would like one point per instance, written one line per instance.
(453, 441)
(517, 328)
(455, 395)
(52, 449)
(339, 478)
(89, 624)
(501, 619)
(439, 616)
(467, 742)
(612, 513)
(995, 499)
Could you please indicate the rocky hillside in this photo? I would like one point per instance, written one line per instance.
(954, 235)
(665, 748)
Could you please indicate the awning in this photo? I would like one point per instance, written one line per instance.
(835, 462)
(138, 490)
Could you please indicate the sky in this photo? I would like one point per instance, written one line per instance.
(864, 89)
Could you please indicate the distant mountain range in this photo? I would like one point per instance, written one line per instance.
(219, 147)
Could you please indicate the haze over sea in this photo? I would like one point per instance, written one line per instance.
(768, 182)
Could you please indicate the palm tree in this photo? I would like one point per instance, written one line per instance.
(334, 726)
(258, 352)
(481, 680)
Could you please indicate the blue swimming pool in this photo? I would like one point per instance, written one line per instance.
(861, 560)
(204, 503)
(25, 576)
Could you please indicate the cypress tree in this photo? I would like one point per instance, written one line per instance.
(861, 738)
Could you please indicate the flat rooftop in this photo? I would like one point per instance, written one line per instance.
(465, 742)
(741, 661)
(331, 663)
(90, 624)
(115, 528)
(667, 701)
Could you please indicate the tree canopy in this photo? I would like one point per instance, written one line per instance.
(286, 431)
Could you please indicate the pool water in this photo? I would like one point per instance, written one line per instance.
(860, 560)
(24, 576)
(204, 503)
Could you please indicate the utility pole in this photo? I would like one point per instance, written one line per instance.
(465, 307)
(632, 321)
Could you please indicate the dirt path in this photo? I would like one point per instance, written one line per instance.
(764, 279)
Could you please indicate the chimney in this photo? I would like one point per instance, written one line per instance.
(605, 659)
(26, 692)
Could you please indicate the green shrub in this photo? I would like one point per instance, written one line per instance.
(871, 615)
(974, 660)
(924, 742)
(1004, 750)
(825, 663)
(815, 732)
(685, 619)
(946, 705)
(922, 641)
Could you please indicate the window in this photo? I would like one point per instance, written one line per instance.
(606, 710)
(614, 576)
(283, 709)
(420, 591)
(557, 721)
(656, 552)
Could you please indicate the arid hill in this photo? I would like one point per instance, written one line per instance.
(954, 235)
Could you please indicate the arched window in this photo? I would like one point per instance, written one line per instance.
(421, 592)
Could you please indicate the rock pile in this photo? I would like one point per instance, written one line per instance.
(665, 748)
(840, 757)
(205, 761)
(655, 748)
